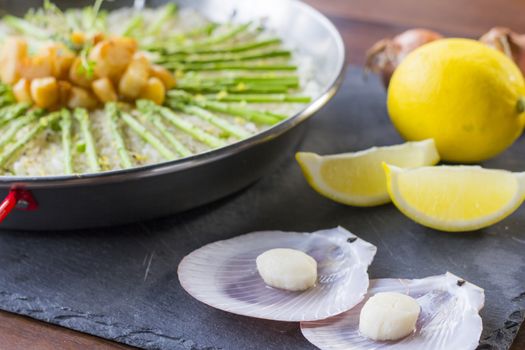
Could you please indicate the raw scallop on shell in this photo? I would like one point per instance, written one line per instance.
(449, 317)
(224, 275)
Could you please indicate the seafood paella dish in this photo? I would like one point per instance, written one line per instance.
(87, 90)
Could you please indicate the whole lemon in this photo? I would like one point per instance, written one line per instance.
(466, 96)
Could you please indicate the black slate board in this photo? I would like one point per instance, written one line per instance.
(121, 283)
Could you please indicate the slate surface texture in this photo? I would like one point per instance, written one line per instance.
(121, 283)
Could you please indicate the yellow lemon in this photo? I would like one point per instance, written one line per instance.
(466, 96)
(455, 198)
(357, 178)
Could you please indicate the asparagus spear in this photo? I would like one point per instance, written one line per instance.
(113, 115)
(147, 135)
(4, 110)
(261, 117)
(66, 141)
(184, 125)
(240, 111)
(176, 41)
(206, 31)
(6, 101)
(15, 127)
(289, 80)
(167, 13)
(218, 39)
(249, 46)
(261, 82)
(42, 124)
(5, 88)
(230, 66)
(7, 94)
(179, 147)
(82, 116)
(191, 129)
(241, 87)
(259, 98)
(72, 20)
(13, 112)
(25, 28)
(223, 58)
(94, 19)
(133, 25)
(212, 119)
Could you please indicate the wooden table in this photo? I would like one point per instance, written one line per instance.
(361, 22)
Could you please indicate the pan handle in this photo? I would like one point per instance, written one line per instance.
(17, 198)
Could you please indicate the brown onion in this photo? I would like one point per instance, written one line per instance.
(385, 55)
(508, 42)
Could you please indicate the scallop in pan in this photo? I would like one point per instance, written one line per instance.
(449, 317)
(224, 275)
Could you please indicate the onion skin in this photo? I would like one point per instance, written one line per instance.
(508, 42)
(385, 55)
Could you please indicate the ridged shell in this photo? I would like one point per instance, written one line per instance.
(449, 317)
(224, 275)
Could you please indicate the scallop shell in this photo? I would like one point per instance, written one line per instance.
(449, 317)
(224, 275)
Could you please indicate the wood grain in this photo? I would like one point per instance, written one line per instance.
(361, 22)
(22, 333)
(462, 17)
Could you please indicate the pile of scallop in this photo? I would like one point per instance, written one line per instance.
(56, 77)
(320, 279)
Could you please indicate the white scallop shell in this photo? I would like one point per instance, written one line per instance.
(449, 317)
(224, 275)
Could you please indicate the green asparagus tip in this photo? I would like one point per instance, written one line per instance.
(144, 105)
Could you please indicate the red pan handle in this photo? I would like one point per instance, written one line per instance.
(8, 205)
(17, 198)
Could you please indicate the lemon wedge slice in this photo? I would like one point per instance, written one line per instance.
(357, 178)
(455, 198)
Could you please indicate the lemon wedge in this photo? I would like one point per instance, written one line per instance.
(357, 178)
(455, 198)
